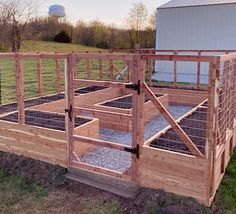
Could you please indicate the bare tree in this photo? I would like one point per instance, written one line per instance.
(153, 20)
(137, 21)
(18, 13)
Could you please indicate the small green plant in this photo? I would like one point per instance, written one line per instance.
(62, 37)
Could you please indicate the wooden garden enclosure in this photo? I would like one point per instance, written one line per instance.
(104, 118)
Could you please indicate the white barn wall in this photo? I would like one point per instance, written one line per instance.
(194, 28)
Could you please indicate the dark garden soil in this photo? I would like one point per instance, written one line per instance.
(125, 102)
(47, 99)
(89, 89)
(29, 103)
(45, 120)
(194, 126)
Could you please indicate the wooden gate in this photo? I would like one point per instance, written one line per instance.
(85, 142)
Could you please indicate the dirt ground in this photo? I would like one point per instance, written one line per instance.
(66, 196)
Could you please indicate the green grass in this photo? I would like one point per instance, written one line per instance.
(16, 192)
(20, 196)
(40, 46)
(226, 196)
(7, 70)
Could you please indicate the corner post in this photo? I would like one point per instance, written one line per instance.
(212, 117)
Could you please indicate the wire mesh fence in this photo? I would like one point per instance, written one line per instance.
(101, 99)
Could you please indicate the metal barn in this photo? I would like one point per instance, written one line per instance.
(194, 25)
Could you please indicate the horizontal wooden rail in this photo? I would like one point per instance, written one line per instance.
(79, 110)
(180, 132)
(99, 83)
(102, 143)
(227, 57)
(110, 56)
(183, 58)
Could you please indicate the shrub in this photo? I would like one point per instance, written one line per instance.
(62, 37)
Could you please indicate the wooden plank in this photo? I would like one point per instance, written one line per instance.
(213, 104)
(40, 77)
(104, 56)
(69, 101)
(138, 101)
(20, 90)
(32, 147)
(49, 133)
(184, 58)
(101, 143)
(182, 135)
(35, 139)
(124, 188)
(33, 155)
(99, 83)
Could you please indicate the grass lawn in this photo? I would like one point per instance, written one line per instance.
(7, 70)
(40, 46)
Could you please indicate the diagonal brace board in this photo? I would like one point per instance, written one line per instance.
(180, 132)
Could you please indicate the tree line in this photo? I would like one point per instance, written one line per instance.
(17, 23)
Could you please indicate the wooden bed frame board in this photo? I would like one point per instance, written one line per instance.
(41, 143)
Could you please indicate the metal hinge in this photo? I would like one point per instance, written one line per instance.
(133, 151)
(136, 87)
(69, 111)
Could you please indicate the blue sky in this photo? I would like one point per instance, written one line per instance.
(107, 10)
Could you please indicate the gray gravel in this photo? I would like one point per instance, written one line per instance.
(119, 160)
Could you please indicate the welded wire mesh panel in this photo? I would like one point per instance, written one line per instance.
(178, 72)
(8, 100)
(189, 110)
(102, 69)
(187, 106)
(227, 100)
(30, 73)
(49, 76)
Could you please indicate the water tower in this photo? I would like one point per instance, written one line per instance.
(57, 12)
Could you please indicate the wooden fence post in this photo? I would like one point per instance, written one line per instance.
(138, 77)
(40, 77)
(212, 117)
(69, 98)
(20, 90)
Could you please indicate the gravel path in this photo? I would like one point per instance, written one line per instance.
(119, 160)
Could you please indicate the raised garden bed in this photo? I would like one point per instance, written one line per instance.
(89, 89)
(194, 126)
(124, 102)
(45, 120)
(32, 102)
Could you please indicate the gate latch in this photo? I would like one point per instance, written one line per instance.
(69, 111)
(136, 87)
(133, 151)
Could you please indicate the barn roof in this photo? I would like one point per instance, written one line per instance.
(193, 3)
